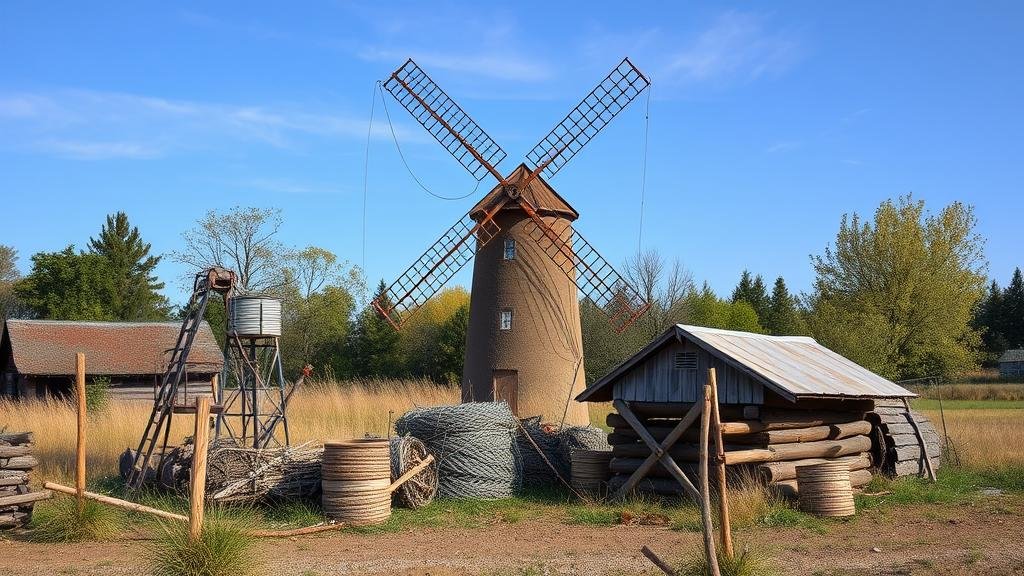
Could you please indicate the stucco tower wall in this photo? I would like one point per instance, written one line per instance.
(544, 345)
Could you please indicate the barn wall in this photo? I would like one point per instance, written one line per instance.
(656, 379)
(1011, 369)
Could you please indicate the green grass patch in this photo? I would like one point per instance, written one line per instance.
(223, 549)
(782, 514)
(933, 404)
(636, 510)
(61, 521)
(952, 486)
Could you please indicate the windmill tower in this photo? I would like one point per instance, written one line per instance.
(531, 266)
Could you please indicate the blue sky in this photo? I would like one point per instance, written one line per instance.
(767, 122)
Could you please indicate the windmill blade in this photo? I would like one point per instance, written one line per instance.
(604, 102)
(436, 266)
(445, 120)
(596, 279)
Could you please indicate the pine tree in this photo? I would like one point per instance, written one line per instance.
(753, 292)
(374, 342)
(136, 293)
(1011, 311)
(783, 317)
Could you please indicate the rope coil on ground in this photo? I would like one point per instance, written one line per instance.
(474, 444)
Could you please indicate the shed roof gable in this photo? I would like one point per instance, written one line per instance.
(792, 366)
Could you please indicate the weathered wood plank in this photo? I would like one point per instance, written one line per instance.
(775, 471)
(19, 463)
(810, 434)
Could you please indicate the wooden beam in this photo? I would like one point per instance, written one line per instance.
(201, 441)
(725, 523)
(657, 451)
(111, 501)
(809, 434)
(924, 445)
(80, 445)
(19, 499)
(705, 490)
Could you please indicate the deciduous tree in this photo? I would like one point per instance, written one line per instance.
(243, 240)
(67, 285)
(896, 294)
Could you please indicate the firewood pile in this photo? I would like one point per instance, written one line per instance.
(16, 464)
(766, 443)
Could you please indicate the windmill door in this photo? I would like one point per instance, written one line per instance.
(506, 387)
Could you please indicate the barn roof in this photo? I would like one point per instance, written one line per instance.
(541, 195)
(1016, 355)
(793, 366)
(48, 347)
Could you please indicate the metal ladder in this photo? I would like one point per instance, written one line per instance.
(213, 280)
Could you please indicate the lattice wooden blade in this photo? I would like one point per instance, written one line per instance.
(596, 279)
(435, 267)
(614, 93)
(445, 120)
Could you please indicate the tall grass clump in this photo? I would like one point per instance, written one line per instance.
(743, 563)
(1001, 392)
(60, 521)
(223, 549)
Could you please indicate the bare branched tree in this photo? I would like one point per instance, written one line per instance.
(313, 268)
(665, 285)
(243, 240)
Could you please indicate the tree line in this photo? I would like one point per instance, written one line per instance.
(904, 293)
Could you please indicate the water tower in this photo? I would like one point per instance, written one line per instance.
(252, 387)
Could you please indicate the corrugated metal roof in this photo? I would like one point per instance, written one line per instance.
(793, 366)
(796, 364)
(1016, 355)
(48, 347)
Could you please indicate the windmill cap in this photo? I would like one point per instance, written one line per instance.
(539, 193)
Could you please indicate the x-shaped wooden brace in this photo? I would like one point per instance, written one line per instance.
(659, 452)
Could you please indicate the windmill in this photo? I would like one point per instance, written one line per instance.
(524, 343)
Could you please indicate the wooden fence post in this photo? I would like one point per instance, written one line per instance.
(198, 484)
(724, 521)
(705, 496)
(80, 445)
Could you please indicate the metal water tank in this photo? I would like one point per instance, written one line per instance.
(255, 316)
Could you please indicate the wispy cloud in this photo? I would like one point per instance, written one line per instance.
(95, 125)
(783, 146)
(503, 65)
(737, 46)
(85, 150)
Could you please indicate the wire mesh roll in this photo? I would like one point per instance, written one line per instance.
(474, 445)
(355, 476)
(418, 491)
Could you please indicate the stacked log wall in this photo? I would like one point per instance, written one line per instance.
(16, 464)
(762, 444)
(897, 449)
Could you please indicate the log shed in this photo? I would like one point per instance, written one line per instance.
(785, 401)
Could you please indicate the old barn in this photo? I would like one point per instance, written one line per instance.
(37, 357)
(784, 401)
(1011, 364)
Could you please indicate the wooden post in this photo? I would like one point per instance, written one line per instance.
(705, 496)
(213, 388)
(725, 523)
(198, 483)
(80, 446)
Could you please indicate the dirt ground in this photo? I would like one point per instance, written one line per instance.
(986, 537)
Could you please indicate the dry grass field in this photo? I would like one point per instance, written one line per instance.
(986, 438)
(323, 411)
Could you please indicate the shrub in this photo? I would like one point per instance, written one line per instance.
(60, 521)
(223, 549)
(743, 563)
(97, 393)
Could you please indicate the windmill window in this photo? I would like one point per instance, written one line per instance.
(510, 249)
(685, 361)
(505, 320)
